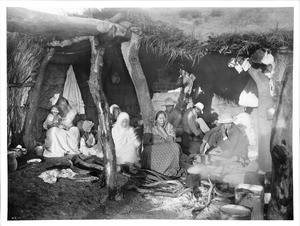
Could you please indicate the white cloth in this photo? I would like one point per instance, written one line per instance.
(72, 92)
(51, 176)
(202, 124)
(126, 142)
(249, 96)
(54, 99)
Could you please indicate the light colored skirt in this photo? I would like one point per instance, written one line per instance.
(60, 142)
(127, 154)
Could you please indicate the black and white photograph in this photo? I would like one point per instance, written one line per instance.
(149, 111)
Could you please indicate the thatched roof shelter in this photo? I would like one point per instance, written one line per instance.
(135, 48)
(160, 42)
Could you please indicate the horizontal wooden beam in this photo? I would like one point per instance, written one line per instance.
(45, 24)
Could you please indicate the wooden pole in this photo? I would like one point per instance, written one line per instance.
(130, 52)
(38, 23)
(104, 131)
(28, 138)
(264, 124)
(281, 204)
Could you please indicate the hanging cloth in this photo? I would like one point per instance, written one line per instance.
(249, 96)
(72, 92)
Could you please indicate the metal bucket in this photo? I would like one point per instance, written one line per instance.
(251, 196)
(235, 212)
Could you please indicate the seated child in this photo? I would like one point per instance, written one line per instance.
(53, 119)
(88, 144)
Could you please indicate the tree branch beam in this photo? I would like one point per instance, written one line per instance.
(45, 24)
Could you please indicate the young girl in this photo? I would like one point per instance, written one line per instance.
(88, 144)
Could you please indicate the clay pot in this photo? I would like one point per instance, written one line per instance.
(12, 162)
(39, 150)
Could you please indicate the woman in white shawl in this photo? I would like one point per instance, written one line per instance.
(126, 141)
(63, 138)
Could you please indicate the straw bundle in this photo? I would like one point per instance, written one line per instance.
(23, 60)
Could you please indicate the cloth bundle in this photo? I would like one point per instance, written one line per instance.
(239, 64)
(51, 176)
(261, 60)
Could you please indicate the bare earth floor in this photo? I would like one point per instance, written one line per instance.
(30, 198)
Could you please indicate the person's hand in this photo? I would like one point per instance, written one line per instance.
(52, 125)
(223, 131)
(169, 139)
(66, 128)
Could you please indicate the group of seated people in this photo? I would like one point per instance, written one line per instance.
(158, 149)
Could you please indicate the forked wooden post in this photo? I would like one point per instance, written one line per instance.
(104, 131)
(281, 204)
(130, 52)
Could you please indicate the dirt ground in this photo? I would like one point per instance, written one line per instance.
(30, 198)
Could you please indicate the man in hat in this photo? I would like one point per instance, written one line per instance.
(226, 142)
(226, 147)
(174, 115)
(193, 126)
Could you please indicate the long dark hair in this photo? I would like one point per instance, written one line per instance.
(159, 113)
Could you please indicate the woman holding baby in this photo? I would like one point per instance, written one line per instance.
(62, 136)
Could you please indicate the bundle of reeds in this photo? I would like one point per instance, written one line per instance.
(23, 60)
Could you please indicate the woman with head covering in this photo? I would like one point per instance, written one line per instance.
(63, 138)
(162, 154)
(126, 141)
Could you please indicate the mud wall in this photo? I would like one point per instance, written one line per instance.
(55, 76)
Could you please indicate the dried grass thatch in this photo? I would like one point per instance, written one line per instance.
(23, 60)
(172, 43)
